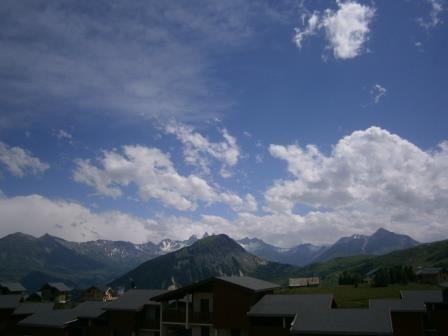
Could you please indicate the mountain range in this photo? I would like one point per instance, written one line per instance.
(216, 255)
(49, 258)
(220, 255)
(380, 242)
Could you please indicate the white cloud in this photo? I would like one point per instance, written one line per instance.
(251, 203)
(371, 178)
(436, 9)
(21, 162)
(198, 149)
(346, 29)
(37, 215)
(63, 135)
(377, 91)
(155, 177)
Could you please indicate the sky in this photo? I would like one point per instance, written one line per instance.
(293, 121)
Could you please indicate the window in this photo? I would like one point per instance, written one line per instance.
(205, 331)
(205, 306)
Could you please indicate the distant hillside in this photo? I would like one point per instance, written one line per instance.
(381, 242)
(432, 255)
(32, 260)
(210, 256)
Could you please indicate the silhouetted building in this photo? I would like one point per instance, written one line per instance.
(215, 306)
(55, 292)
(135, 313)
(7, 287)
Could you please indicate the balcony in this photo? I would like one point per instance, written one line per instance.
(178, 316)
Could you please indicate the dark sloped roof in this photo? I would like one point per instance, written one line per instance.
(342, 322)
(254, 284)
(248, 283)
(90, 309)
(135, 299)
(32, 308)
(289, 305)
(422, 296)
(388, 305)
(60, 286)
(9, 301)
(12, 286)
(51, 318)
(47, 317)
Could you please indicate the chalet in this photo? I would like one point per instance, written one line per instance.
(55, 292)
(98, 293)
(25, 310)
(92, 318)
(304, 282)
(341, 322)
(274, 314)
(432, 275)
(8, 303)
(417, 313)
(88, 318)
(405, 318)
(60, 322)
(7, 287)
(214, 306)
(135, 313)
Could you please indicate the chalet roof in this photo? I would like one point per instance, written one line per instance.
(51, 318)
(135, 299)
(290, 305)
(248, 283)
(342, 322)
(429, 271)
(60, 286)
(254, 284)
(9, 301)
(32, 308)
(388, 305)
(90, 309)
(12, 286)
(422, 296)
(61, 318)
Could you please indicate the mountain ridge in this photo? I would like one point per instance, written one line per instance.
(101, 261)
(216, 255)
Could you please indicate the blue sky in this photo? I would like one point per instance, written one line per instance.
(291, 121)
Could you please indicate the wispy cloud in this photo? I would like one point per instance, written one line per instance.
(21, 162)
(155, 177)
(377, 92)
(346, 29)
(134, 59)
(433, 19)
(198, 149)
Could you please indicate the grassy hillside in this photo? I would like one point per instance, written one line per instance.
(433, 254)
